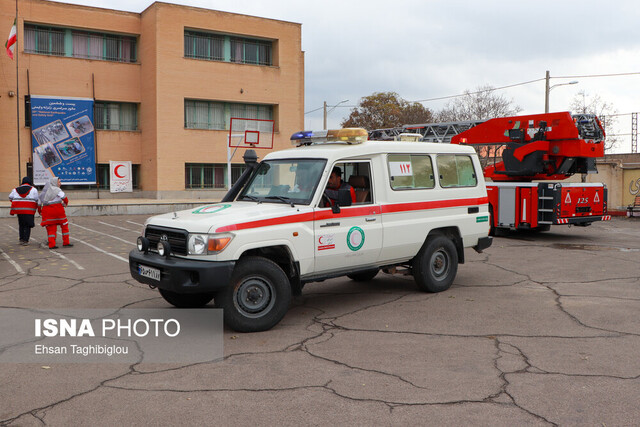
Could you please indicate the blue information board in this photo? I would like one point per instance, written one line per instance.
(63, 139)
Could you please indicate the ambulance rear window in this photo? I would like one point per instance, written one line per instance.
(456, 171)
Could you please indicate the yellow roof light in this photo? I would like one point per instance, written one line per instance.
(346, 135)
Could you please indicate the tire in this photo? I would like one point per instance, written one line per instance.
(257, 297)
(364, 276)
(436, 265)
(186, 300)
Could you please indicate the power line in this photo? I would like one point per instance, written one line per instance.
(597, 75)
(505, 87)
(479, 91)
(332, 106)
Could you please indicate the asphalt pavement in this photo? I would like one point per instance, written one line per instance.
(540, 329)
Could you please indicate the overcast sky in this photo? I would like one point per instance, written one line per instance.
(436, 48)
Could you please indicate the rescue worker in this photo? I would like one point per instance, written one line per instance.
(335, 184)
(24, 203)
(52, 203)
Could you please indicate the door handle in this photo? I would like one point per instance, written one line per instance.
(330, 224)
(370, 219)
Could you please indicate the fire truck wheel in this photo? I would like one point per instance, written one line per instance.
(436, 265)
(186, 300)
(364, 276)
(257, 297)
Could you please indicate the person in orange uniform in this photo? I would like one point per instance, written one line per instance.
(24, 203)
(52, 203)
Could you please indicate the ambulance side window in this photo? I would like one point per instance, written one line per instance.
(358, 176)
(410, 171)
(456, 171)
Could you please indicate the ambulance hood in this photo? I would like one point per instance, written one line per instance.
(224, 216)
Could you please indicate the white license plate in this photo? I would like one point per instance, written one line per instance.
(152, 273)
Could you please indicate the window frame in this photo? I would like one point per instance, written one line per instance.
(406, 187)
(70, 46)
(106, 121)
(223, 110)
(232, 48)
(474, 174)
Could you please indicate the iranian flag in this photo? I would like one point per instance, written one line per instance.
(13, 37)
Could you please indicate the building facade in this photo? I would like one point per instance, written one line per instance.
(166, 83)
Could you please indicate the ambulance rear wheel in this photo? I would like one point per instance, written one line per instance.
(436, 265)
(186, 300)
(257, 297)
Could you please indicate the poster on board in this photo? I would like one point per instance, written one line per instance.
(62, 137)
(120, 180)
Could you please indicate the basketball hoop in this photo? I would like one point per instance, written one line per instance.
(248, 133)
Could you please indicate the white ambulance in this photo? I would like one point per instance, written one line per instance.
(398, 206)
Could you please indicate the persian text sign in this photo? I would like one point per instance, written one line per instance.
(120, 180)
(62, 137)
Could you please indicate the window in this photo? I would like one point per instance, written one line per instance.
(358, 176)
(456, 171)
(220, 47)
(44, 40)
(410, 171)
(203, 46)
(79, 44)
(249, 51)
(217, 115)
(116, 115)
(105, 47)
(209, 175)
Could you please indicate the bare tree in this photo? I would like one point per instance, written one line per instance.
(386, 110)
(483, 103)
(584, 103)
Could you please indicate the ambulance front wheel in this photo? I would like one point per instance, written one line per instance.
(257, 297)
(186, 300)
(436, 265)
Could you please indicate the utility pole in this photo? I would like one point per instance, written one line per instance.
(546, 93)
(325, 115)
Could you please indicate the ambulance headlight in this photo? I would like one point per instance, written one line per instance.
(198, 244)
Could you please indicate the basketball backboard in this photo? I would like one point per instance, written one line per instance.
(251, 133)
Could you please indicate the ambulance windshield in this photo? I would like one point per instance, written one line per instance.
(284, 181)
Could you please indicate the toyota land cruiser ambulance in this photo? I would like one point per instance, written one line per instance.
(417, 206)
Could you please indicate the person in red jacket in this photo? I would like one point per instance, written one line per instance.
(52, 203)
(24, 203)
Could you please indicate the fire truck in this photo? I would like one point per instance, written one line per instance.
(524, 160)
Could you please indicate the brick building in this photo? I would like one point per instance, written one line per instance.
(165, 82)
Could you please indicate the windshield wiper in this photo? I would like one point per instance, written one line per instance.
(252, 198)
(282, 199)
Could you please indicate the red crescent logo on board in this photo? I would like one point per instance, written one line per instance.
(115, 171)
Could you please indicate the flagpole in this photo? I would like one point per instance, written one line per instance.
(18, 95)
